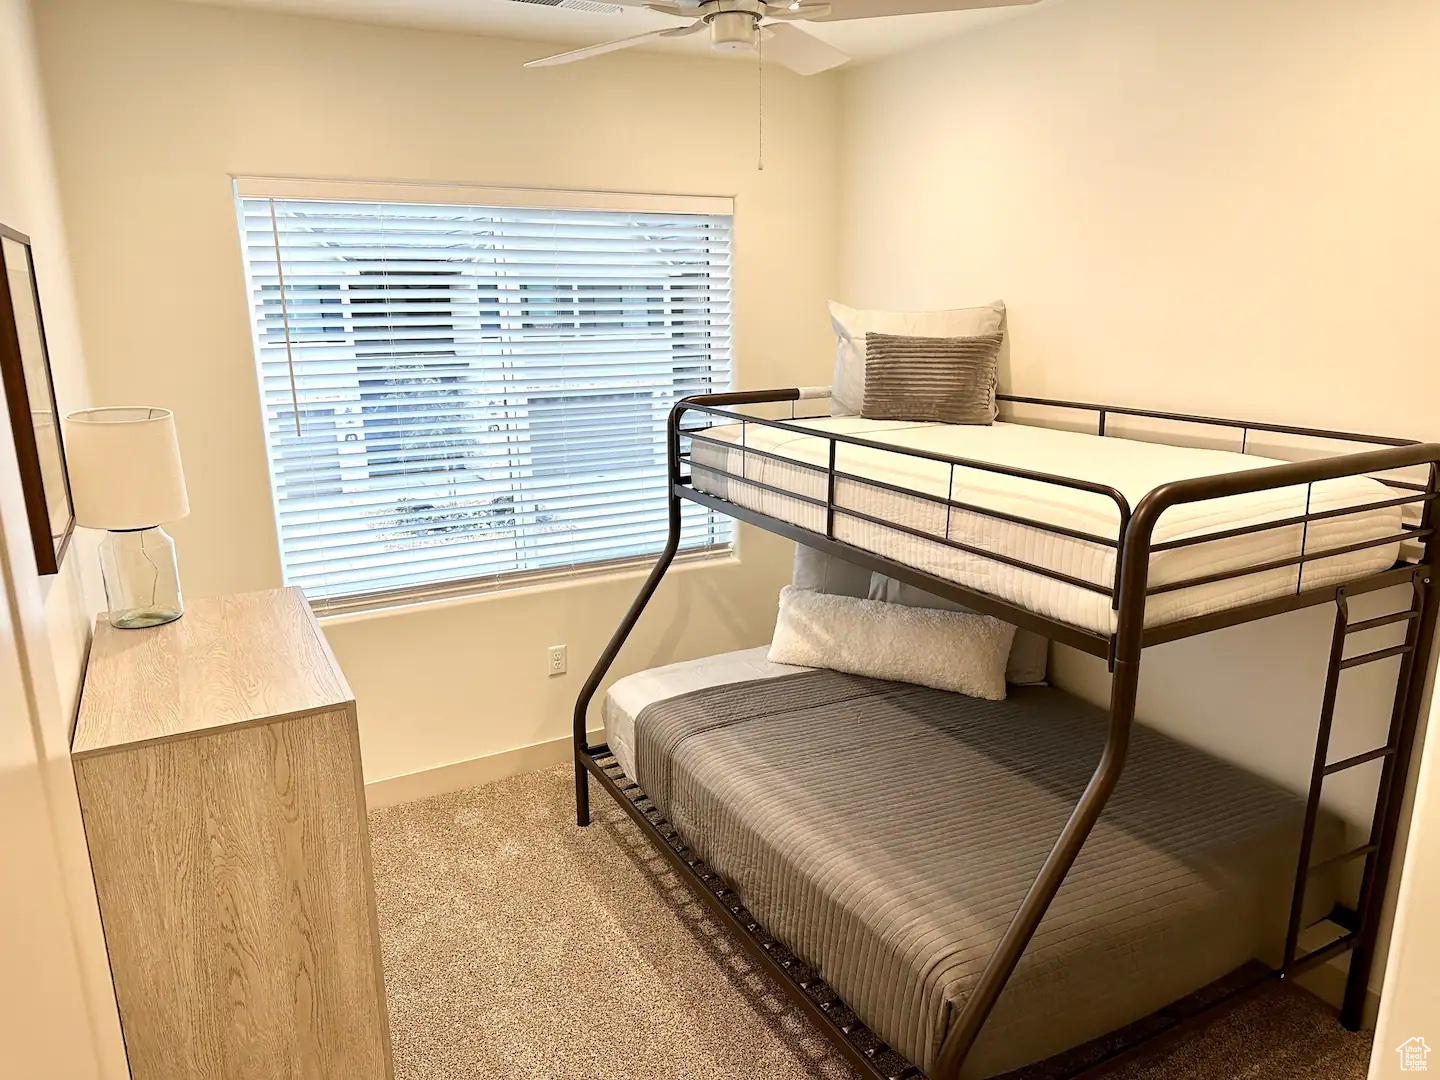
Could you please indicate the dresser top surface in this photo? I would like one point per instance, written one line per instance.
(230, 661)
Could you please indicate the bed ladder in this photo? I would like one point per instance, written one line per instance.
(1359, 924)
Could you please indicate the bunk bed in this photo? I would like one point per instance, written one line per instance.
(1138, 544)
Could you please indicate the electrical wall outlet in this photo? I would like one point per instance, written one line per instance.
(557, 663)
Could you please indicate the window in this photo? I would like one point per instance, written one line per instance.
(314, 312)
(464, 386)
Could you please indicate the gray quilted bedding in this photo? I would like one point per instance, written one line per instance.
(886, 833)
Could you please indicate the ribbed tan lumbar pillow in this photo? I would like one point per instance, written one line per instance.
(943, 380)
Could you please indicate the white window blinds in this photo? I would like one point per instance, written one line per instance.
(457, 393)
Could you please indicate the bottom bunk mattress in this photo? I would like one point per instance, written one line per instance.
(886, 834)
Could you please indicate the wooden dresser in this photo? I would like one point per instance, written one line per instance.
(218, 767)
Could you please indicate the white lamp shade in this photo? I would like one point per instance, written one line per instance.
(125, 468)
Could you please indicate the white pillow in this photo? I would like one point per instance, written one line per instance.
(946, 650)
(1029, 655)
(851, 325)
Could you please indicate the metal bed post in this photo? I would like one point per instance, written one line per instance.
(623, 631)
(607, 658)
(579, 734)
(1134, 555)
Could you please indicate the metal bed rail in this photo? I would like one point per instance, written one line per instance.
(1103, 412)
(1125, 648)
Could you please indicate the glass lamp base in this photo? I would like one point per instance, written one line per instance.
(142, 619)
(142, 578)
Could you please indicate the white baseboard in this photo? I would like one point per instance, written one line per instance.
(462, 775)
(1327, 982)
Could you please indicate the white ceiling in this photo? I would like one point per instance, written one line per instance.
(866, 39)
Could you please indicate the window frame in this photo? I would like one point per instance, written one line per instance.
(366, 600)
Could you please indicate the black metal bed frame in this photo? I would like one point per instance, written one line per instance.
(1122, 650)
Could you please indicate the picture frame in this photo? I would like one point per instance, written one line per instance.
(34, 415)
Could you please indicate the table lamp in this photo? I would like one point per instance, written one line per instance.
(125, 478)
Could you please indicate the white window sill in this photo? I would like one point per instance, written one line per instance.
(343, 612)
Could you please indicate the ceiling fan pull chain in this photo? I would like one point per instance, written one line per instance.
(760, 67)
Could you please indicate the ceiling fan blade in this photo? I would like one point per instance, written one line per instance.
(614, 46)
(841, 10)
(805, 10)
(803, 53)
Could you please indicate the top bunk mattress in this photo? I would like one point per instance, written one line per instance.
(793, 462)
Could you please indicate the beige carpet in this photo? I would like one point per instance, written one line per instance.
(517, 945)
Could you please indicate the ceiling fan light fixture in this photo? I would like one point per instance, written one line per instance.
(734, 31)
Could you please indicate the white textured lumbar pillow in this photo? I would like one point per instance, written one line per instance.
(947, 650)
(1029, 654)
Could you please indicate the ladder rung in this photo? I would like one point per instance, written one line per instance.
(1341, 915)
(1340, 860)
(1379, 654)
(1383, 620)
(1323, 955)
(1359, 759)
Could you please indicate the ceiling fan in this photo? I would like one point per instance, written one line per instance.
(768, 28)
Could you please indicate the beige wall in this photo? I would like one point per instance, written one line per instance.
(1212, 206)
(154, 106)
(1411, 1001)
(44, 1022)
(57, 1010)
(1197, 204)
